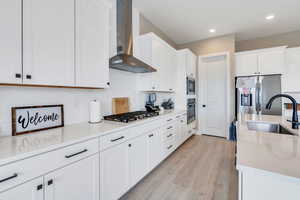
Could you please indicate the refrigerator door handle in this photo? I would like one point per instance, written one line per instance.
(258, 96)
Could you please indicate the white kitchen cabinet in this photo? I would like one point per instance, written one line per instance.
(92, 43)
(114, 172)
(48, 42)
(272, 62)
(291, 81)
(154, 51)
(138, 160)
(246, 64)
(77, 181)
(260, 62)
(32, 190)
(155, 149)
(261, 185)
(191, 63)
(10, 40)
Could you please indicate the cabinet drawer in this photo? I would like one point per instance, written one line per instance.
(169, 132)
(27, 169)
(169, 146)
(114, 139)
(169, 119)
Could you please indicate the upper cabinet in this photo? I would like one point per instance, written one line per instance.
(92, 43)
(154, 51)
(292, 71)
(260, 62)
(191, 63)
(10, 40)
(246, 64)
(65, 43)
(48, 36)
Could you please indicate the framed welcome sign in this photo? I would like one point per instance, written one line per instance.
(36, 118)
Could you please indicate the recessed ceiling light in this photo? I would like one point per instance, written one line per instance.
(270, 17)
(212, 30)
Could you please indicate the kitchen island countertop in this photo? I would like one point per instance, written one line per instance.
(276, 153)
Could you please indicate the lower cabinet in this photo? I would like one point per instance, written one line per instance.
(138, 160)
(77, 181)
(32, 190)
(261, 185)
(155, 149)
(114, 172)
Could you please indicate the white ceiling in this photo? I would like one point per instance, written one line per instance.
(190, 20)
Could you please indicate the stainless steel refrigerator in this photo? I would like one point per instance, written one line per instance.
(254, 92)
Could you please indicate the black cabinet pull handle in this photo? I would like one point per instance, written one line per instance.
(169, 147)
(169, 120)
(170, 127)
(129, 145)
(18, 76)
(178, 116)
(39, 187)
(108, 83)
(75, 154)
(28, 76)
(120, 138)
(15, 175)
(169, 135)
(151, 135)
(50, 182)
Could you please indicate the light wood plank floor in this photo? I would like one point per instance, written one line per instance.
(201, 169)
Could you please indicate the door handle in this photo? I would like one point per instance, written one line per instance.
(120, 138)
(75, 154)
(15, 175)
(204, 106)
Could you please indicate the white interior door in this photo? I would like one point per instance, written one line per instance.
(213, 98)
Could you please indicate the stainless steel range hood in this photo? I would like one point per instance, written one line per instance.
(124, 60)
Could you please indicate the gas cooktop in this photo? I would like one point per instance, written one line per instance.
(131, 116)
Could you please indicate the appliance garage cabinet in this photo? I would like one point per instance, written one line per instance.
(260, 62)
(47, 43)
(156, 52)
(94, 165)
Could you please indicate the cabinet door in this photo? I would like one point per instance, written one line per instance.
(32, 190)
(92, 43)
(48, 39)
(77, 181)
(10, 40)
(191, 64)
(138, 159)
(114, 172)
(246, 64)
(155, 149)
(292, 71)
(271, 62)
(179, 132)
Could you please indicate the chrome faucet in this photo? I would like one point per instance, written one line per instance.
(295, 121)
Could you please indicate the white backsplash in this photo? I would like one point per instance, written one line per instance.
(75, 101)
(288, 113)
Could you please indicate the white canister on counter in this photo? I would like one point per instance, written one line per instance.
(95, 112)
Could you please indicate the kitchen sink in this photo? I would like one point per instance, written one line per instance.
(267, 127)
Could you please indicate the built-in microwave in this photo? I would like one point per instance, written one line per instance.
(191, 86)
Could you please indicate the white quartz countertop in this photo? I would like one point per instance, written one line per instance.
(19, 147)
(277, 153)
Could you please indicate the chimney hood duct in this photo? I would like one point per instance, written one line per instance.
(124, 60)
